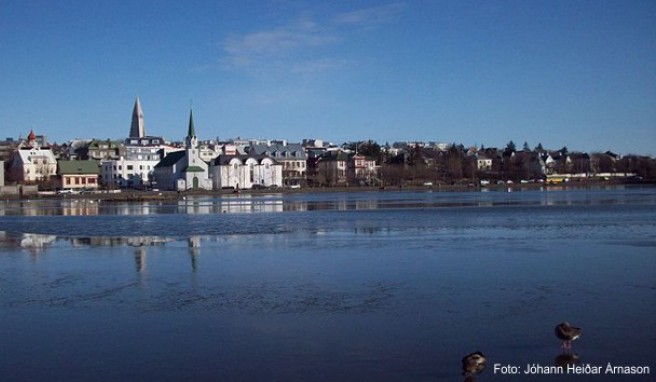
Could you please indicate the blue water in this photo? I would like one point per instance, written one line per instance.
(328, 286)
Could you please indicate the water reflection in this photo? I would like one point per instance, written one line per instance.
(39, 243)
(567, 358)
(339, 201)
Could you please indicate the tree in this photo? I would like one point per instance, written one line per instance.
(539, 148)
(526, 148)
(510, 147)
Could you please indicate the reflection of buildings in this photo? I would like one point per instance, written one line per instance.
(33, 242)
(79, 207)
(135, 241)
(243, 203)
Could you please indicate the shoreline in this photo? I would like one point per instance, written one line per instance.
(143, 196)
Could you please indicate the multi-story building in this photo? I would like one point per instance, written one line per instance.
(362, 170)
(32, 163)
(292, 156)
(245, 172)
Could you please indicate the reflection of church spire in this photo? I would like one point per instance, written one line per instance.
(137, 128)
(194, 250)
(140, 259)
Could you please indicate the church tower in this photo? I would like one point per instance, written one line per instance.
(137, 129)
(191, 142)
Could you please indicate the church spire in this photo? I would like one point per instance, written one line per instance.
(137, 128)
(191, 133)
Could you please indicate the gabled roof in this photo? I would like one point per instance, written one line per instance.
(291, 150)
(171, 159)
(335, 156)
(25, 155)
(78, 167)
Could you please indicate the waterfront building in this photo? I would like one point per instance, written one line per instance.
(78, 174)
(341, 168)
(330, 168)
(32, 162)
(362, 170)
(292, 156)
(246, 172)
(183, 170)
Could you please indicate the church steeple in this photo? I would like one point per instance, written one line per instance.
(137, 128)
(191, 141)
(191, 133)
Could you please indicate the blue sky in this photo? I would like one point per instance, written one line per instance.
(575, 73)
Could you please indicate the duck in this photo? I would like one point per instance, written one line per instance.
(567, 333)
(473, 363)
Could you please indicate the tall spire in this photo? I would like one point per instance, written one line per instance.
(137, 128)
(192, 132)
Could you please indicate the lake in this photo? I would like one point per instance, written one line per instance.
(358, 286)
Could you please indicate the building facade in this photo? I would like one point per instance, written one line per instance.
(32, 163)
(246, 172)
(291, 156)
(78, 174)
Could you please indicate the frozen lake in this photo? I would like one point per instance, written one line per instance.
(370, 286)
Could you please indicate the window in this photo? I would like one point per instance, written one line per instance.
(130, 167)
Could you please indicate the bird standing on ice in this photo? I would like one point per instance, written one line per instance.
(473, 363)
(567, 333)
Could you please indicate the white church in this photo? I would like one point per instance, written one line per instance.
(183, 170)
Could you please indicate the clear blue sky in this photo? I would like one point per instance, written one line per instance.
(573, 73)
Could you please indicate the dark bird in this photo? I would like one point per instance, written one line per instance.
(567, 333)
(473, 363)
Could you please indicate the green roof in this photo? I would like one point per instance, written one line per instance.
(78, 167)
(194, 169)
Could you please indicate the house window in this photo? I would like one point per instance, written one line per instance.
(130, 167)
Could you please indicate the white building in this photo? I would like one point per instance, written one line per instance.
(136, 168)
(292, 156)
(245, 172)
(183, 170)
(32, 162)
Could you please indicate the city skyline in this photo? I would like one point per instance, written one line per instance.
(581, 75)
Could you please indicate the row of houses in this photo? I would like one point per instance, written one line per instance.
(142, 161)
(150, 162)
